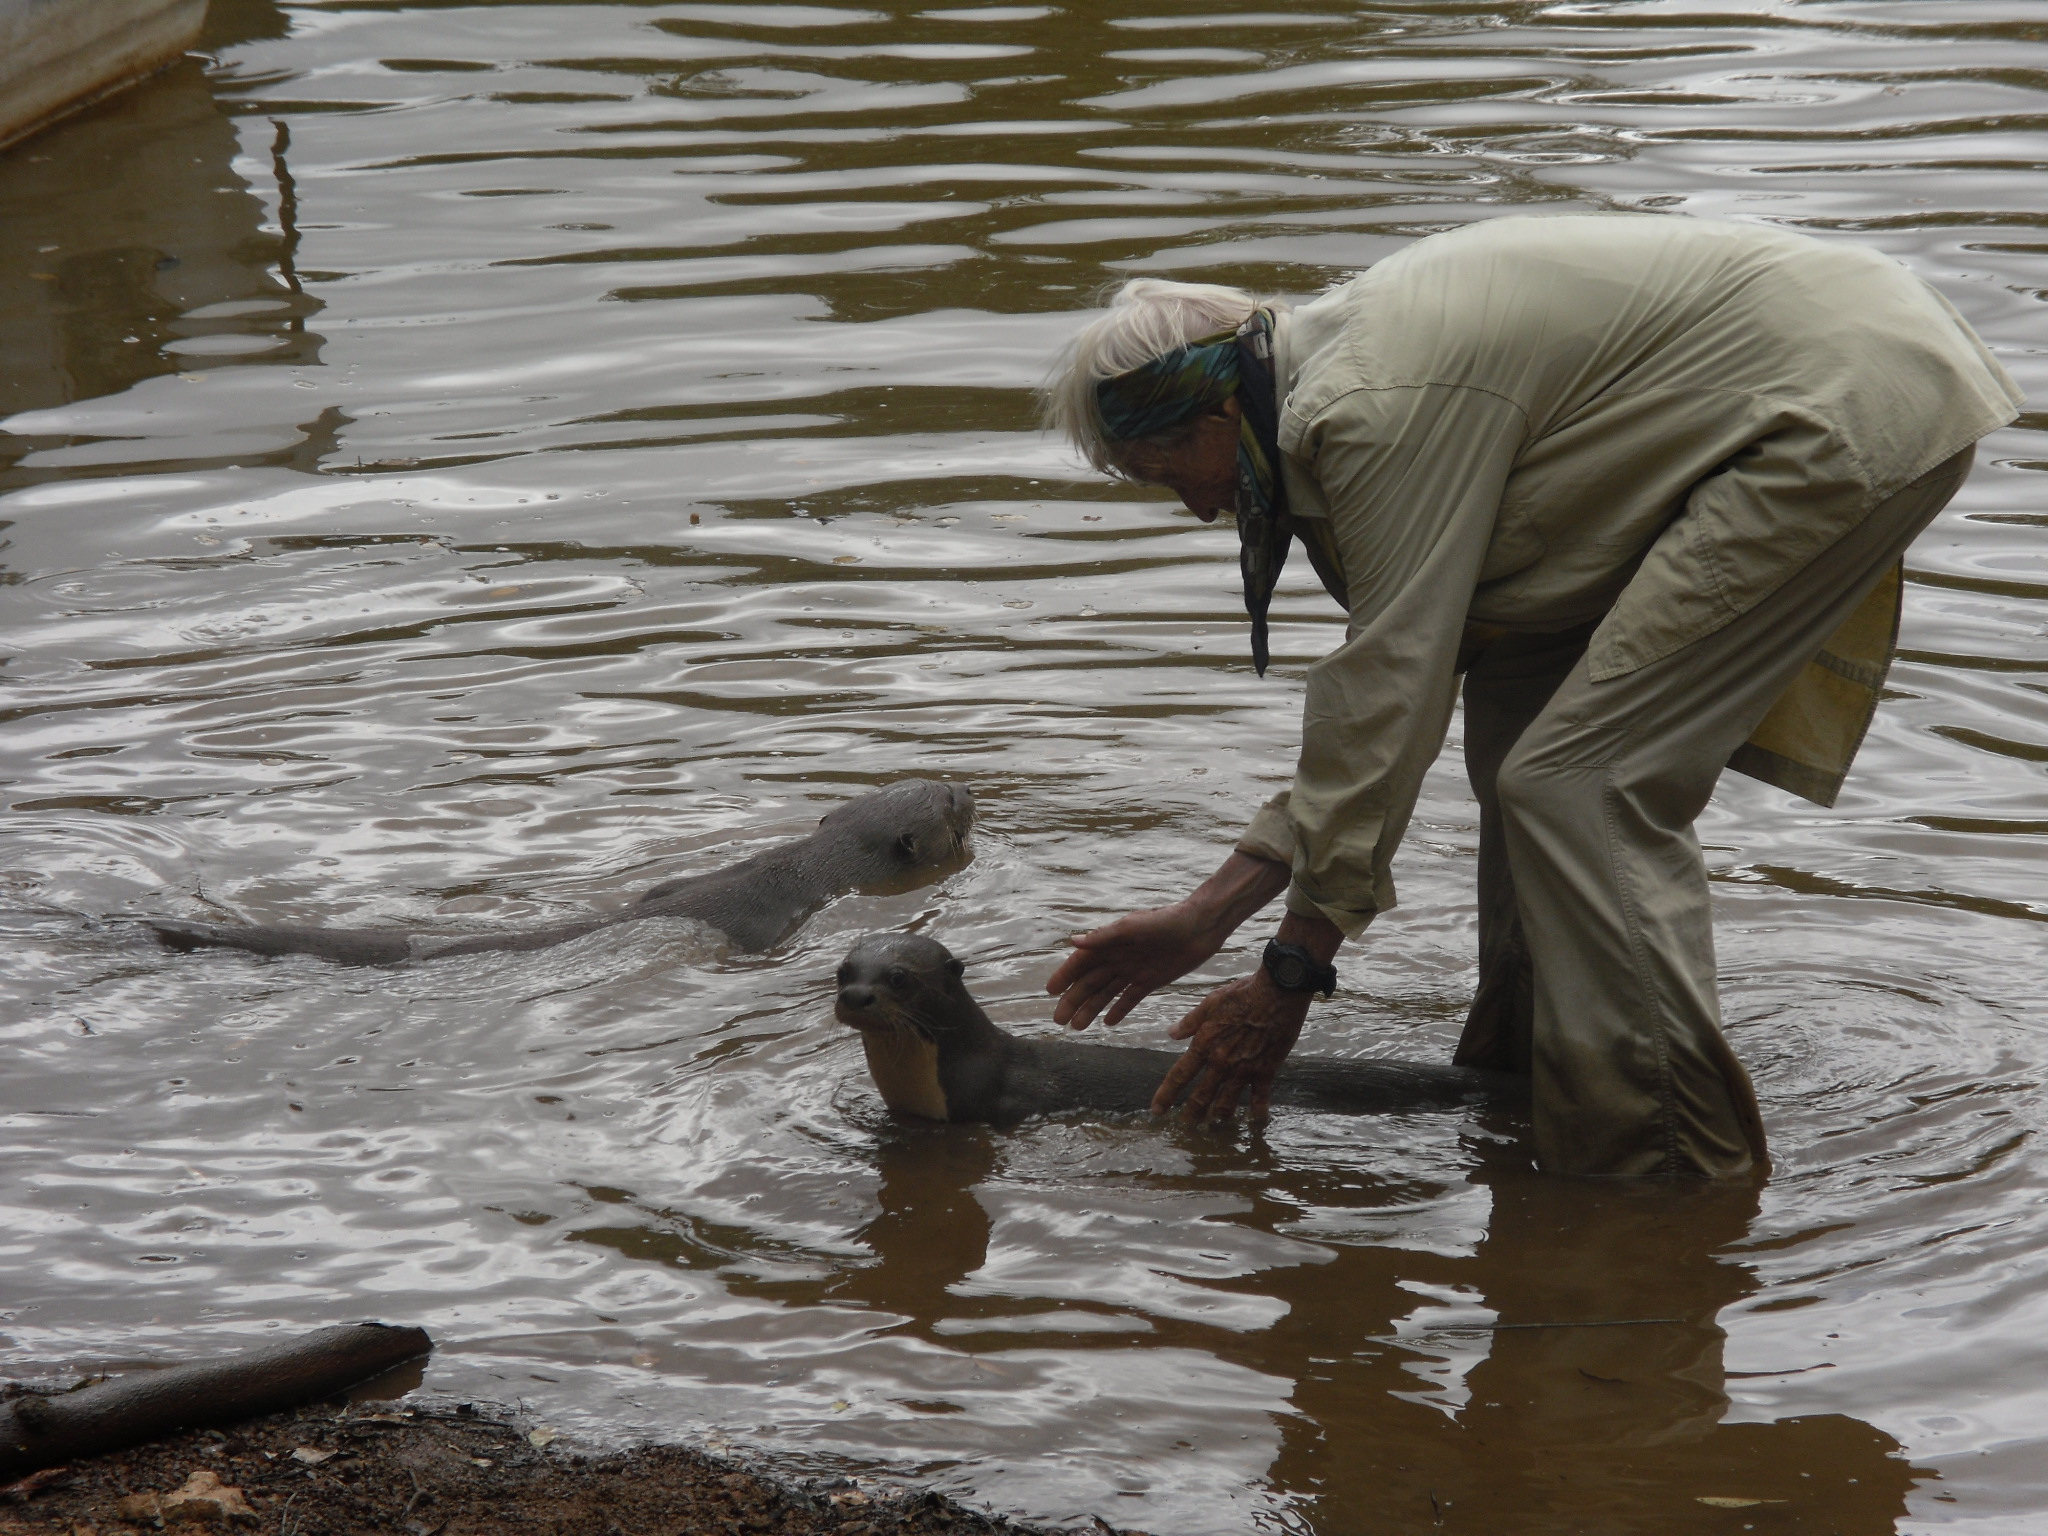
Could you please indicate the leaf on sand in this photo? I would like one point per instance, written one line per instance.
(1720, 1501)
(311, 1457)
(205, 1500)
(540, 1438)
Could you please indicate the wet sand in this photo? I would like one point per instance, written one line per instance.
(447, 1468)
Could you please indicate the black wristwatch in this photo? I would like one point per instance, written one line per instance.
(1294, 969)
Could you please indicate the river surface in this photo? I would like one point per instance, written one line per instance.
(465, 463)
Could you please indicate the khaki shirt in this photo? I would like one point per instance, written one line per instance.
(1532, 423)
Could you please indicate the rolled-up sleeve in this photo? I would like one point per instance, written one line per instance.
(1271, 834)
(1413, 478)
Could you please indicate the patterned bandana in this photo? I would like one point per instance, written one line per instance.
(1168, 391)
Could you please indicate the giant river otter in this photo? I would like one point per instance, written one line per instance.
(913, 825)
(934, 1054)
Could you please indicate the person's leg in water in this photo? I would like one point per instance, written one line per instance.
(1507, 683)
(1596, 800)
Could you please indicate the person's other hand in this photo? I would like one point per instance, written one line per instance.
(1238, 1037)
(1120, 964)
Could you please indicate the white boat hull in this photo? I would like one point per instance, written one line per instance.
(59, 55)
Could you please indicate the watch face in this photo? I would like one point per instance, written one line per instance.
(1295, 970)
(1290, 973)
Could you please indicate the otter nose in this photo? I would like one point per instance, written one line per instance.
(856, 996)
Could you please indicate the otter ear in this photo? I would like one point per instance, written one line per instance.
(956, 968)
(907, 845)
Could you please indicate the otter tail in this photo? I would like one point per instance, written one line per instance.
(361, 946)
(1341, 1086)
(347, 946)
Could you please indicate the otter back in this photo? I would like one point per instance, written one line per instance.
(935, 1054)
(907, 829)
(1045, 1077)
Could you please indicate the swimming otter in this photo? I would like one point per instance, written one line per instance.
(912, 825)
(936, 1055)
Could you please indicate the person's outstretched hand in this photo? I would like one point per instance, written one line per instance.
(1120, 964)
(1238, 1037)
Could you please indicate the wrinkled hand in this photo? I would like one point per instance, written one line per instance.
(1120, 964)
(1241, 1033)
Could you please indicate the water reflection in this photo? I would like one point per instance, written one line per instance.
(131, 247)
(1534, 1425)
(112, 231)
(931, 1232)
(1564, 1373)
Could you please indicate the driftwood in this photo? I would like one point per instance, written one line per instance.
(38, 1430)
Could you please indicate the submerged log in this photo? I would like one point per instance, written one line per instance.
(38, 1430)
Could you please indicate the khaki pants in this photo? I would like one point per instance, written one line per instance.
(1596, 946)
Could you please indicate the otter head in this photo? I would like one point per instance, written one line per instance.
(903, 994)
(910, 826)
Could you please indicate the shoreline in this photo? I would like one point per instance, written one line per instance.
(448, 1468)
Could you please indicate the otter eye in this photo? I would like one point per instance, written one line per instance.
(899, 978)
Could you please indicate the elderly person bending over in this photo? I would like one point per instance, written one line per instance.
(1643, 482)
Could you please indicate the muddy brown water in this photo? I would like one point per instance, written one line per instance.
(466, 463)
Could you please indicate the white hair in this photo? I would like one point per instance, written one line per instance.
(1147, 318)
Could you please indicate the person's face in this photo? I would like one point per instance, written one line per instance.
(1201, 469)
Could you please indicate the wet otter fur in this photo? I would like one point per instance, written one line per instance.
(934, 1054)
(911, 826)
